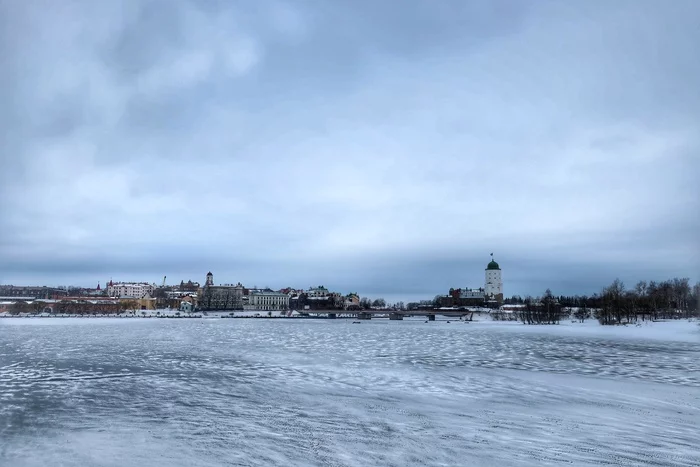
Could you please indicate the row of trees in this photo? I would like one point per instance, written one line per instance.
(25, 307)
(546, 309)
(434, 303)
(615, 304)
(231, 300)
(338, 302)
(647, 301)
(367, 303)
(73, 307)
(675, 293)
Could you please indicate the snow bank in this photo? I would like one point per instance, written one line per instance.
(674, 330)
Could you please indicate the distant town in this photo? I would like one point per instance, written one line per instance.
(190, 296)
(614, 305)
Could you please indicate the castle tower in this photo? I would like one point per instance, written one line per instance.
(210, 280)
(493, 287)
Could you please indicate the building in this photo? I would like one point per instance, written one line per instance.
(220, 297)
(467, 294)
(187, 307)
(491, 294)
(319, 291)
(493, 287)
(266, 300)
(97, 292)
(316, 299)
(189, 286)
(352, 301)
(173, 294)
(130, 289)
(291, 291)
(33, 291)
(146, 303)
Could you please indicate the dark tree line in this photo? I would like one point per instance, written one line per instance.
(330, 302)
(367, 303)
(542, 310)
(671, 299)
(615, 304)
(73, 307)
(423, 304)
(26, 307)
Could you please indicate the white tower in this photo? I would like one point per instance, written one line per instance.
(493, 287)
(210, 280)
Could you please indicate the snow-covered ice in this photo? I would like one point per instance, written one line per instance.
(325, 392)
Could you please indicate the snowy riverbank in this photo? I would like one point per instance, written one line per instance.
(673, 330)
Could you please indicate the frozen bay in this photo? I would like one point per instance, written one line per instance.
(115, 392)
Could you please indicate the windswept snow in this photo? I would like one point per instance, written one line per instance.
(326, 392)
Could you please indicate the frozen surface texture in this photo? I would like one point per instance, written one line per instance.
(327, 392)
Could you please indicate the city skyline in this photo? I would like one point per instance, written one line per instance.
(398, 295)
(355, 144)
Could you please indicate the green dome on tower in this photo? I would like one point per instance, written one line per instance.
(493, 265)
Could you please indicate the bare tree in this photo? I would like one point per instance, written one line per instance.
(19, 307)
(551, 310)
(126, 305)
(681, 294)
(37, 306)
(581, 312)
(611, 309)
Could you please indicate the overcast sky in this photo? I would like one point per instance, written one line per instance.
(383, 147)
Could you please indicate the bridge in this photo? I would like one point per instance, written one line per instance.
(394, 315)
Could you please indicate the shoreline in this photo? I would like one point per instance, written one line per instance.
(680, 330)
(480, 319)
(160, 317)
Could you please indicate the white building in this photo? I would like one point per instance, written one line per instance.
(471, 293)
(130, 289)
(172, 294)
(187, 307)
(319, 291)
(493, 288)
(266, 300)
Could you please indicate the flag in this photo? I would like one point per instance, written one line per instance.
(491, 255)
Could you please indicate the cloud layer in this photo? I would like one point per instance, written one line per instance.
(353, 143)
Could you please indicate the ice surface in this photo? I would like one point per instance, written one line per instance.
(255, 392)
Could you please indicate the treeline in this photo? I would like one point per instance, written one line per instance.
(337, 302)
(546, 309)
(423, 304)
(380, 303)
(25, 307)
(670, 299)
(615, 304)
(73, 307)
(367, 303)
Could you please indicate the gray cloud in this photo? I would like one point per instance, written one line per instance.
(357, 144)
